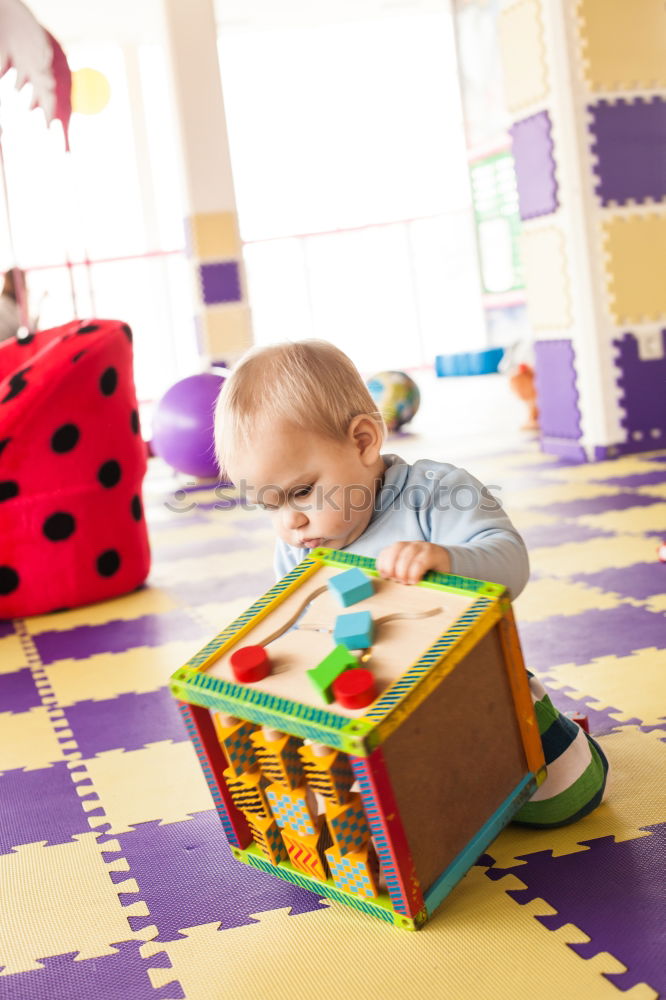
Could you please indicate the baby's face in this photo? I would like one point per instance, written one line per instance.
(317, 491)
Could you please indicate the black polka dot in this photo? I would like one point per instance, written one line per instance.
(134, 421)
(109, 474)
(78, 355)
(9, 580)
(3, 444)
(16, 384)
(136, 507)
(109, 381)
(108, 563)
(24, 341)
(128, 332)
(65, 438)
(59, 526)
(87, 328)
(8, 490)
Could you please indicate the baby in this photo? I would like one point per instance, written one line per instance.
(297, 431)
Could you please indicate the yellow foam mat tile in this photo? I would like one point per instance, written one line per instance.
(215, 235)
(634, 685)
(525, 518)
(592, 555)
(546, 597)
(215, 567)
(543, 254)
(29, 741)
(635, 250)
(638, 60)
(12, 655)
(551, 493)
(591, 472)
(216, 616)
(150, 601)
(60, 899)
(636, 798)
(655, 603)
(227, 329)
(523, 54)
(637, 519)
(653, 490)
(479, 933)
(107, 675)
(162, 781)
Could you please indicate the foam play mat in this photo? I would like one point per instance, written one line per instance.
(116, 879)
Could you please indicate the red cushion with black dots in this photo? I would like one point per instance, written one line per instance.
(72, 461)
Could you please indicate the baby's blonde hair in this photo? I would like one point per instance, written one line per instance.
(310, 384)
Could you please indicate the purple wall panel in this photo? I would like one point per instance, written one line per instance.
(643, 385)
(559, 415)
(220, 282)
(535, 166)
(629, 140)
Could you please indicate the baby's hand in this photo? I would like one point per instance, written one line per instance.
(408, 562)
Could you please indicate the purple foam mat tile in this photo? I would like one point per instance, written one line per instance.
(557, 392)
(642, 384)
(563, 531)
(6, 628)
(203, 547)
(115, 637)
(127, 722)
(187, 876)
(532, 147)
(639, 479)
(629, 141)
(39, 805)
(181, 519)
(582, 638)
(613, 892)
(599, 505)
(642, 580)
(249, 585)
(600, 720)
(220, 282)
(108, 977)
(18, 692)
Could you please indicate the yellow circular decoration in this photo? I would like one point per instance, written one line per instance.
(90, 91)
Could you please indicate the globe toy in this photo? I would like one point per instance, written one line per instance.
(397, 397)
(183, 425)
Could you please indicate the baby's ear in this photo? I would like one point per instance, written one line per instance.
(367, 437)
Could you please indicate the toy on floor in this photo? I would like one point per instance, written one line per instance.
(397, 397)
(521, 381)
(313, 766)
(183, 425)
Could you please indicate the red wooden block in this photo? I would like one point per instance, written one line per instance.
(250, 664)
(355, 688)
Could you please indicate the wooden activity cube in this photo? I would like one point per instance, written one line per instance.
(385, 807)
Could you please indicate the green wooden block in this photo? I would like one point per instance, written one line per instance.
(323, 675)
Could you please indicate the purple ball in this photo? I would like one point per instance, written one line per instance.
(183, 425)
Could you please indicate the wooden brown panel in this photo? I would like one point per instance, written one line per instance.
(456, 759)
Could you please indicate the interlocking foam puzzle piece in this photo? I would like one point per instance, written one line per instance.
(291, 809)
(480, 919)
(147, 601)
(137, 670)
(544, 256)
(534, 162)
(650, 518)
(61, 899)
(29, 740)
(639, 62)
(213, 235)
(641, 382)
(556, 385)
(329, 775)
(635, 801)
(348, 825)
(546, 597)
(351, 586)
(236, 741)
(354, 871)
(355, 630)
(585, 890)
(279, 759)
(629, 146)
(12, 655)
(595, 554)
(523, 52)
(162, 781)
(635, 248)
(603, 684)
(555, 493)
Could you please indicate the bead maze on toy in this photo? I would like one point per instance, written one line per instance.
(369, 761)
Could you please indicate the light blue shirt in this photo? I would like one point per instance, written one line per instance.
(437, 502)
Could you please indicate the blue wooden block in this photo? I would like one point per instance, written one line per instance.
(355, 630)
(351, 586)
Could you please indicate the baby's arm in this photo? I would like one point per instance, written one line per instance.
(467, 533)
